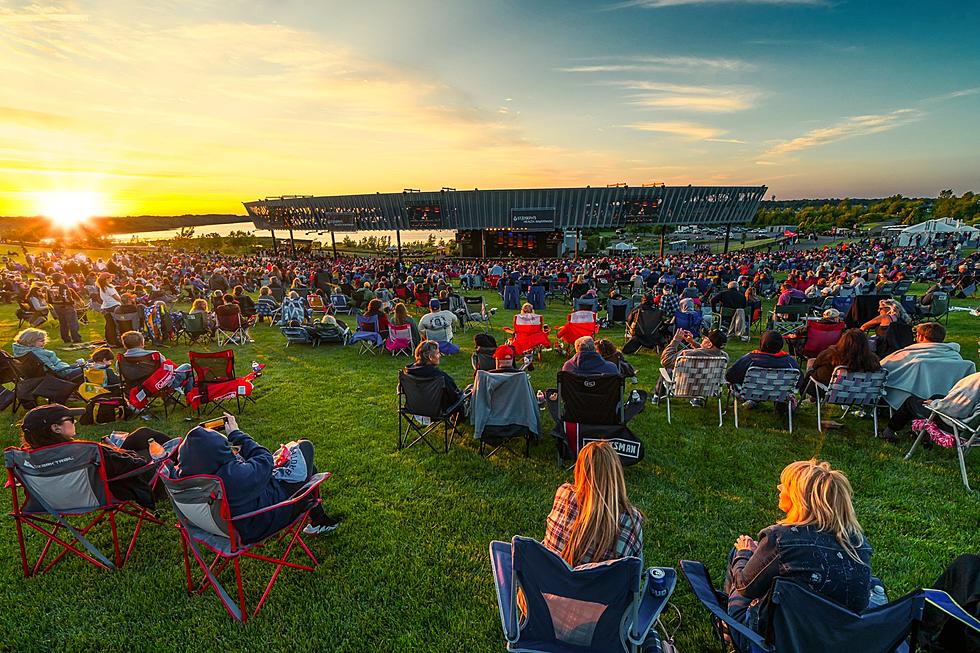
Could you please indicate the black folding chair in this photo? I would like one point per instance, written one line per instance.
(420, 411)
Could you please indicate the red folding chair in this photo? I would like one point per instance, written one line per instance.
(579, 324)
(54, 485)
(215, 381)
(147, 379)
(820, 336)
(528, 334)
(204, 520)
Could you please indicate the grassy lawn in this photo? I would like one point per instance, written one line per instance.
(409, 569)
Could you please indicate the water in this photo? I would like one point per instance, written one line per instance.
(226, 229)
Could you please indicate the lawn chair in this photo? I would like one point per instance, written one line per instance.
(215, 382)
(147, 379)
(420, 411)
(341, 304)
(232, 328)
(503, 407)
(966, 435)
(850, 389)
(901, 287)
(33, 381)
(648, 326)
(618, 310)
(132, 321)
(789, 317)
(586, 304)
(819, 336)
(690, 322)
(766, 384)
(603, 607)
(324, 332)
(367, 335)
(577, 325)
(206, 527)
(536, 297)
(297, 335)
(400, 340)
(695, 377)
(194, 328)
(266, 307)
(937, 311)
(316, 305)
(53, 485)
(528, 334)
(477, 311)
(801, 621)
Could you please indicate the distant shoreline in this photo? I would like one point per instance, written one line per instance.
(129, 224)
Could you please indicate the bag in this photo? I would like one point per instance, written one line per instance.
(6, 398)
(104, 410)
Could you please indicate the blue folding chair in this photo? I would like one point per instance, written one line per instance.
(803, 622)
(367, 334)
(601, 608)
(536, 297)
(512, 297)
(586, 304)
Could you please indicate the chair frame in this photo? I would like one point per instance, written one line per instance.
(484, 311)
(965, 437)
(739, 392)
(448, 417)
(237, 336)
(201, 384)
(838, 372)
(669, 378)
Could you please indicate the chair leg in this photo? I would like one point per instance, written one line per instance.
(915, 445)
(735, 408)
(961, 446)
(819, 419)
(721, 415)
(874, 415)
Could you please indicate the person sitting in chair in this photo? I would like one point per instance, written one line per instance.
(135, 345)
(504, 357)
(587, 360)
(248, 472)
(820, 517)
(770, 354)
(33, 341)
(427, 357)
(439, 320)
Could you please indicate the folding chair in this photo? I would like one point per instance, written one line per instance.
(528, 335)
(27, 313)
(458, 308)
(788, 317)
(512, 297)
(503, 407)
(649, 326)
(52, 486)
(586, 304)
(145, 379)
(367, 335)
(206, 527)
(297, 335)
(850, 389)
(617, 310)
(577, 325)
(420, 410)
(801, 621)
(966, 435)
(316, 305)
(901, 287)
(690, 322)
(477, 311)
(215, 381)
(266, 307)
(400, 340)
(695, 377)
(326, 332)
(819, 336)
(937, 310)
(232, 329)
(194, 328)
(766, 384)
(127, 322)
(603, 607)
(536, 297)
(33, 381)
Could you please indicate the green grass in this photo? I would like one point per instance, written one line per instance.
(409, 569)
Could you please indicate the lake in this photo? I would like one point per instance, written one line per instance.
(227, 228)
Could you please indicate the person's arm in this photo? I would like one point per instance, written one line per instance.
(673, 348)
(51, 360)
(258, 461)
(558, 525)
(872, 323)
(755, 566)
(736, 373)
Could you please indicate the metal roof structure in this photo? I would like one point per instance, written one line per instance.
(529, 209)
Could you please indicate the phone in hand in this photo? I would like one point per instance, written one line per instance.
(217, 424)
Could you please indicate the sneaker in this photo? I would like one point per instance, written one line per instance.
(328, 526)
(655, 400)
(888, 435)
(697, 402)
(749, 405)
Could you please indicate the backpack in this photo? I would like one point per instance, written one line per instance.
(105, 409)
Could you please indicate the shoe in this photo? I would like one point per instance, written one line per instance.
(830, 424)
(697, 402)
(749, 405)
(328, 526)
(655, 400)
(888, 435)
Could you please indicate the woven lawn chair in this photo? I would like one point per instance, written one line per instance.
(695, 377)
(604, 607)
(297, 335)
(367, 335)
(766, 384)
(55, 485)
(207, 528)
(965, 437)
(850, 389)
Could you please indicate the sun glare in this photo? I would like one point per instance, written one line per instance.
(68, 209)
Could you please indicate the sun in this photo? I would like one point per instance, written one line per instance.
(69, 209)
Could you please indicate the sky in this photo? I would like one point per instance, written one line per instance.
(173, 106)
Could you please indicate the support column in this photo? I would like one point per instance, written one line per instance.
(275, 246)
(728, 235)
(292, 241)
(398, 238)
(333, 241)
(483, 243)
(578, 234)
(663, 236)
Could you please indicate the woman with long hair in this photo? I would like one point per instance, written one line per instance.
(853, 351)
(819, 544)
(110, 300)
(400, 317)
(893, 328)
(593, 520)
(374, 310)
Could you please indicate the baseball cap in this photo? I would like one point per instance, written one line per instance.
(434, 303)
(38, 420)
(503, 352)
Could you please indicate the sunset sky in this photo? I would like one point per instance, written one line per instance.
(176, 106)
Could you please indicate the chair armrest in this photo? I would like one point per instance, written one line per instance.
(697, 576)
(952, 420)
(651, 606)
(502, 564)
(153, 465)
(666, 375)
(310, 486)
(945, 603)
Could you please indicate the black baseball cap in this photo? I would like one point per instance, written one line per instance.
(40, 419)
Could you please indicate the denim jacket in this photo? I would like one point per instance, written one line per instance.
(809, 557)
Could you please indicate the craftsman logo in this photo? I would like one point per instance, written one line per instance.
(625, 448)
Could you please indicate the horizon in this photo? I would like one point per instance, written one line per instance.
(135, 109)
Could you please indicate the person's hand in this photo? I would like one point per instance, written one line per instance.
(230, 422)
(745, 543)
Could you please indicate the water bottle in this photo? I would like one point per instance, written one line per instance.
(877, 596)
(156, 449)
(255, 366)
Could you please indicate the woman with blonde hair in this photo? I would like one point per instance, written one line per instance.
(893, 328)
(819, 545)
(593, 520)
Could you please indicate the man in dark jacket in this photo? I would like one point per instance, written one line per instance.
(587, 360)
(248, 479)
(770, 354)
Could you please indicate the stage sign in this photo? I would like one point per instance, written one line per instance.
(424, 215)
(339, 221)
(639, 211)
(533, 219)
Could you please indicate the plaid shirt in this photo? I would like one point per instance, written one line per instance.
(563, 514)
(670, 304)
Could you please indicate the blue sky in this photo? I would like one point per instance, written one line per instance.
(194, 106)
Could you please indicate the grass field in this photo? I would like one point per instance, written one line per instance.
(409, 569)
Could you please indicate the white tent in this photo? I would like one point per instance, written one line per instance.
(621, 247)
(925, 232)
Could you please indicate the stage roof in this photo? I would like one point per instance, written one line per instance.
(530, 209)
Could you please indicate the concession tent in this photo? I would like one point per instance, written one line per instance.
(620, 248)
(925, 232)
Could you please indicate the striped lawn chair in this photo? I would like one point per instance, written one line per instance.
(695, 377)
(851, 389)
(766, 384)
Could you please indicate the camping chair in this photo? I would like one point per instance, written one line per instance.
(528, 334)
(33, 381)
(788, 317)
(801, 621)
(400, 340)
(422, 298)
(215, 381)
(604, 607)
(819, 336)
(341, 304)
(266, 307)
(587, 408)
(690, 322)
(497, 404)
(194, 328)
(140, 389)
(850, 389)
(206, 527)
(477, 311)
(695, 377)
(937, 310)
(536, 297)
(232, 328)
(458, 308)
(127, 322)
(648, 326)
(296, 335)
(367, 335)
(901, 287)
(617, 310)
(966, 435)
(586, 304)
(766, 384)
(578, 324)
(316, 305)
(27, 313)
(51, 486)
(420, 411)
(329, 333)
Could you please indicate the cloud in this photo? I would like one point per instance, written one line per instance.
(654, 63)
(689, 130)
(660, 4)
(848, 128)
